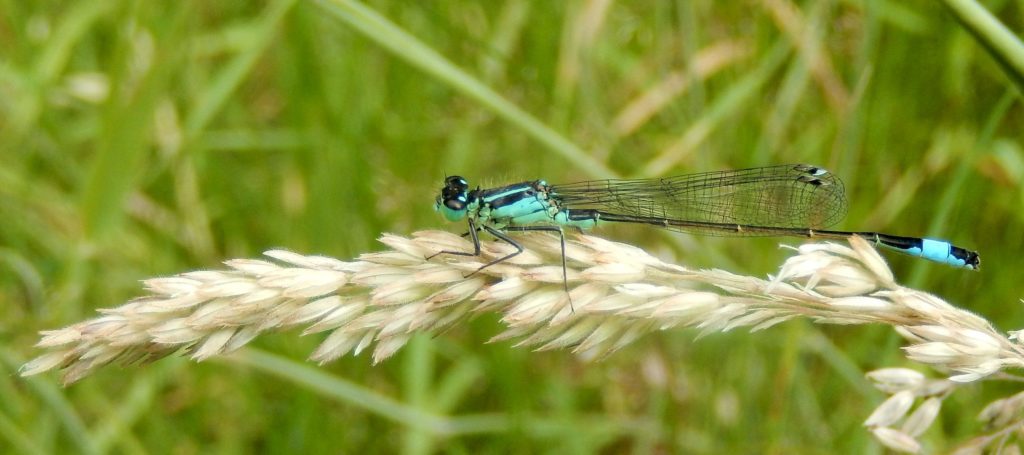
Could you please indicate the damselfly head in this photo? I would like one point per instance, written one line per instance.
(453, 199)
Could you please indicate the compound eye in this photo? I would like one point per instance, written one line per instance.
(456, 182)
(455, 204)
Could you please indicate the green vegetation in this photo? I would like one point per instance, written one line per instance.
(140, 139)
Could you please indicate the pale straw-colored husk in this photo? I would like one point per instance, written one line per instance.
(617, 293)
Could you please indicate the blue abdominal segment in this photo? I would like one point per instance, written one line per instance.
(939, 251)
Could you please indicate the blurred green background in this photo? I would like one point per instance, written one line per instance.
(148, 138)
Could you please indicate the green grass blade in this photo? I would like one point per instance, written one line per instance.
(213, 98)
(1002, 43)
(407, 47)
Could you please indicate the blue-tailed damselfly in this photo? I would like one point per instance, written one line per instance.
(795, 200)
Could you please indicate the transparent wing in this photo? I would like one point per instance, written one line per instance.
(786, 196)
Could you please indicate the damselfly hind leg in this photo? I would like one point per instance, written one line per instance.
(561, 239)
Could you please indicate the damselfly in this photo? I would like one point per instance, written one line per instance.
(795, 200)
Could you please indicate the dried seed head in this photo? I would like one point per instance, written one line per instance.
(616, 294)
